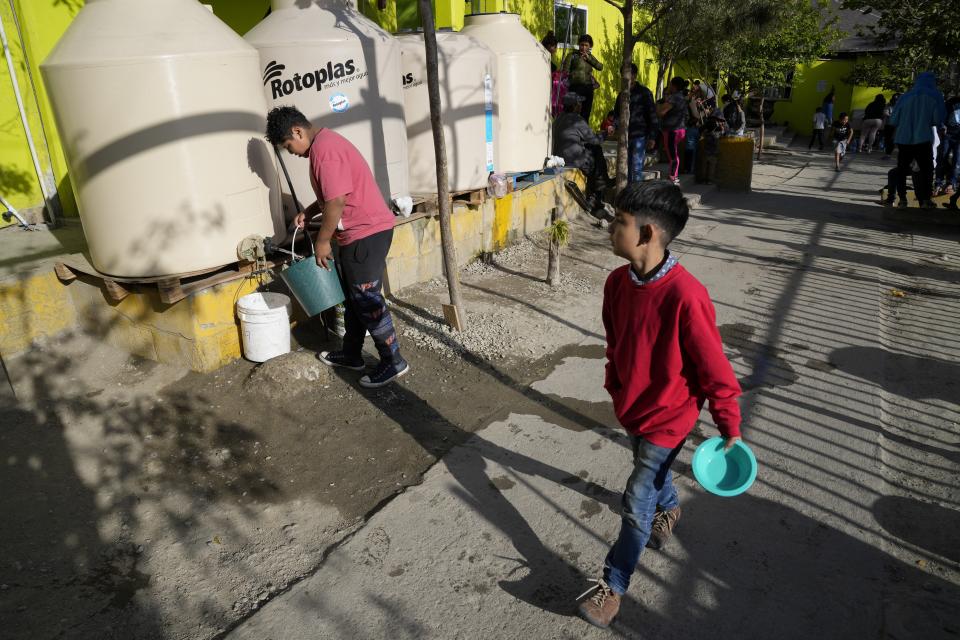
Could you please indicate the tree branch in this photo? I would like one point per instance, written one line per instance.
(615, 5)
(663, 11)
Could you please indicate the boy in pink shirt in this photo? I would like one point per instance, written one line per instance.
(354, 213)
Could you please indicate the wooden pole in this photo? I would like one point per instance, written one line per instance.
(553, 257)
(623, 153)
(457, 315)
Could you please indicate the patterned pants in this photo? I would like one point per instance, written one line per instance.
(361, 267)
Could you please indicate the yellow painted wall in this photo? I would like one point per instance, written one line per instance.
(811, 84)
(604, 24)
(41, 22)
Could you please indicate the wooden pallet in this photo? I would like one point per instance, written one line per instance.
(172, 289)
(427, 202)
(470, 196)
(516, 180)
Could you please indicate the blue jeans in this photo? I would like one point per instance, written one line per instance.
(650, 484)
(690, 157)
(638, 155)
(948, 169)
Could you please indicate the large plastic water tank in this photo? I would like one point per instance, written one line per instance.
(161, 112)
(343, 72)
(523, 90)
(466, 68)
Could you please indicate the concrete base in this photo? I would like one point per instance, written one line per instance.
(416, 254)
(201, 332)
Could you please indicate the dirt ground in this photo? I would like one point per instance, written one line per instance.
(143, 501)
(154, 502)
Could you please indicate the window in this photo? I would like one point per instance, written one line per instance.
(569, 23)
(783, 92)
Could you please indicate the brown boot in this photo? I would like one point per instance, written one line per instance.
(601, 608)
(663, 524)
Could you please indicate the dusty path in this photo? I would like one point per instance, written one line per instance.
(164, 505)
(849, 532)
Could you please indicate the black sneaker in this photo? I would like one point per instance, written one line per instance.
(385, 373)
(341, 359)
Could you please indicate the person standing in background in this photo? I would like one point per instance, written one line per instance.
(672, 112)
(643, 127)
(889, 129)
(549, 43)
(828, 101)
(580, 65)
(872, 122)
(919, 112)
(733, 114)
(819, 124)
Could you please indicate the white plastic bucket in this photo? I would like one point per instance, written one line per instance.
(264, 325)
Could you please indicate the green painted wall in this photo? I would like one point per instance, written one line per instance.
(41, 24)
(811, 85)
(604, 24)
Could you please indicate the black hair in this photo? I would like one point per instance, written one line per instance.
(549, 40)
(680, 83)
(635, 69)
(843, 114)
(585, 38)
(657, 202)
(819, 110)
(281, 121)
(881, 99)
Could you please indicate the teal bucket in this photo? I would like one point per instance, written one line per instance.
(315, 288)
(724, 473)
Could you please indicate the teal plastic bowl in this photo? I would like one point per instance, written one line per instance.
(724, 473)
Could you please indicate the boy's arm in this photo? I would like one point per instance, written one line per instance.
(611, 379)
(702, 345)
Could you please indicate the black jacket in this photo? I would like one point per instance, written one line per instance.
(643, 112)
(571, 136)
(734, 117)
(874, 111)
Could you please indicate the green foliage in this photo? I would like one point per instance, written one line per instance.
(926, 36)
(559, 232)
(696, 32)
(794, 35)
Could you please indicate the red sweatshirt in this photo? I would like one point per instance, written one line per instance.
(665, 358)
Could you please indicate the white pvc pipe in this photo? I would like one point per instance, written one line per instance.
(47, 198)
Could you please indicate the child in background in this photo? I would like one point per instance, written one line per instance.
(819, 124)
(714, 129)
(609, 125)
(842, 135)
(664, 361)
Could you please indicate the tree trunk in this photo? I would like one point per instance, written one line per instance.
(623, 136)
(661, 78)
(440, 150)
(762, 126)
(553, 257)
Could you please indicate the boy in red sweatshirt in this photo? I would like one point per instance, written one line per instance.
(664, 360)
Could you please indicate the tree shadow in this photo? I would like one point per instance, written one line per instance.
(757, 569)
(929, 526)
(909, 376)
(102, 486)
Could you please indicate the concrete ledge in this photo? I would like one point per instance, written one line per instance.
(416, 255)
(202, 332)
